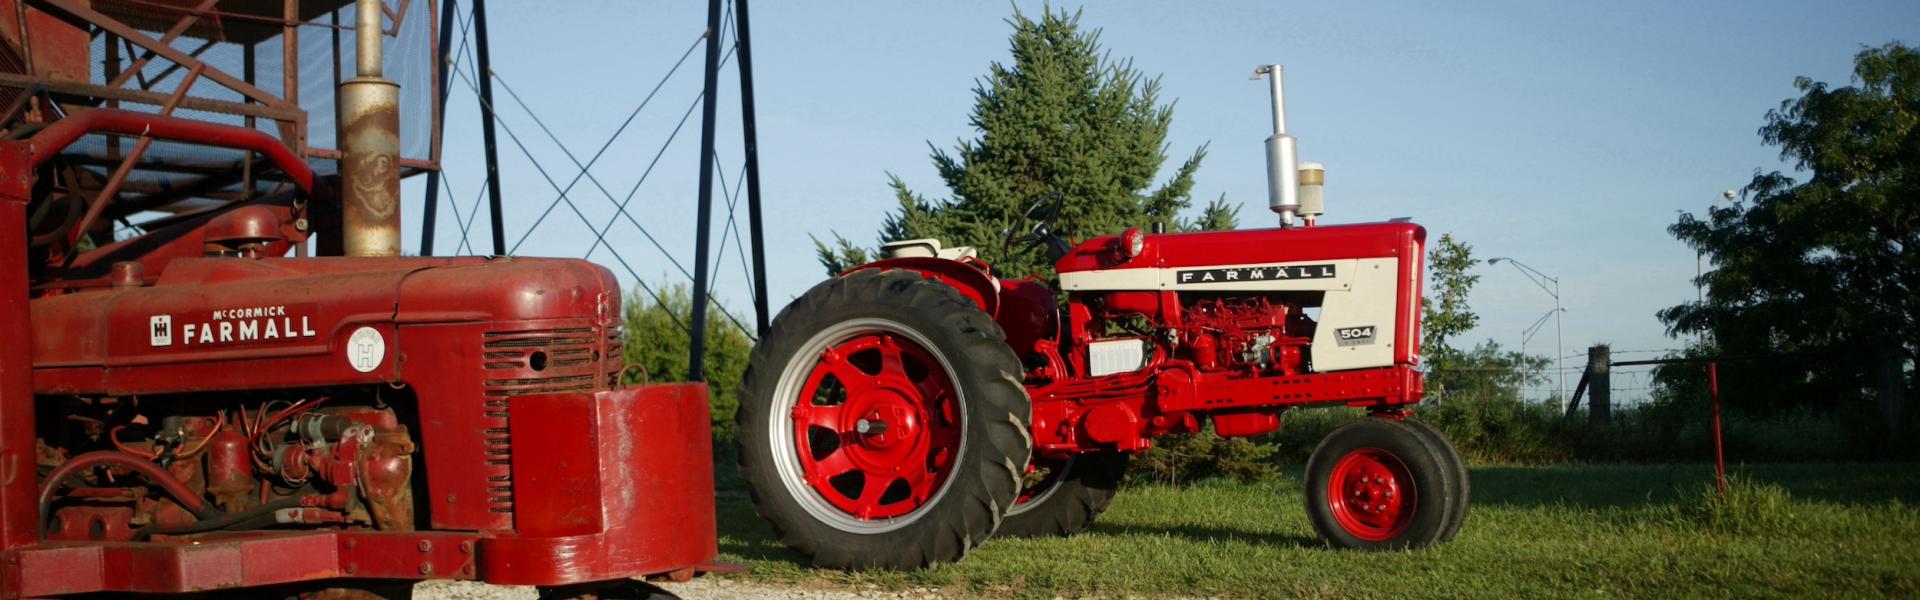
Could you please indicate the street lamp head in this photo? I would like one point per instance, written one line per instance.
(1729, 194)
(1496, 260)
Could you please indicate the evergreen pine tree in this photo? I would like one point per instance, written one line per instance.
(1063, 118)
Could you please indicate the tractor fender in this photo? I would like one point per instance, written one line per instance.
(1025, 309)
(970, 281)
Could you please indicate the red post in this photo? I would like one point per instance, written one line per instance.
(18, 504)
(1719, 450)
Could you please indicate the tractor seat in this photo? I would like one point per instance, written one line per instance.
(928, 248)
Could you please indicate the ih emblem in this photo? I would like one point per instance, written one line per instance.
(161, 328)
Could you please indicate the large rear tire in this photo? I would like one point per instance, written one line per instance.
(1379, 484)
(1064, 497)
(882, 423)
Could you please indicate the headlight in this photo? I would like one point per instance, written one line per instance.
(1133, 242)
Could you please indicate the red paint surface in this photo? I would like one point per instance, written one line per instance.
(1204, 375)
(18, 508)
(609, 485)
(1372, 494)
(890, 428)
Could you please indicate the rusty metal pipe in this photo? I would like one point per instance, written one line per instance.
(112, 187)
(56, 137)
(370, 143)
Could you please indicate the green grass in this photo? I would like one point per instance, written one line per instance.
(1617, 530)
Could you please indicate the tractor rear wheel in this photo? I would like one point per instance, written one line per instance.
(1461, 496)
(882, 423)
(1063, 497)
(1379, 484)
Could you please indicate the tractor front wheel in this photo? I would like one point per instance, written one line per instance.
(1380, 484)
(882, 423)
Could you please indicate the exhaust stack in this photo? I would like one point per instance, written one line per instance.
(1283, 157)
(369, 122)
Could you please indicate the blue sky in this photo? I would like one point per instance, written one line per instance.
(1565, 135)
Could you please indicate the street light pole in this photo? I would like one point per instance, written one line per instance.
(1559, 341)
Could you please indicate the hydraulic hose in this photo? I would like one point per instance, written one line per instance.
(158, 476)
(225, 521)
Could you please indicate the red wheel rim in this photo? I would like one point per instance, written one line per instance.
(876, 426)
(1372, 494)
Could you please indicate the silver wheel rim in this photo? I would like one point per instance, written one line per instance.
(786, 393)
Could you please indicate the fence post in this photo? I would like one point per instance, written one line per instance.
(1599, 385)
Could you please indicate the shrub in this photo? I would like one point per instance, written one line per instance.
(1183, 458)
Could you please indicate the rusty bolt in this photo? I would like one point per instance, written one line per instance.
(468, 569)
(426, 568)
(300, 224)
(426, 545)
(350, 568)
(351, 543)
(466, 547)
(449, 498)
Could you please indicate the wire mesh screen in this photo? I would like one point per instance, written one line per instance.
(223, 37)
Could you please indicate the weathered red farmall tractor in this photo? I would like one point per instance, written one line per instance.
(200, 405)
(903, 412)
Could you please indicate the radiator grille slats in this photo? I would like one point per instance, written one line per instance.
(531, 362)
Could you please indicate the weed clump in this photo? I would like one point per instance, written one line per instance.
(1749, 507)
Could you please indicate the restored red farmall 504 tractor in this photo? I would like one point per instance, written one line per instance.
(902, 412)
(200, 405)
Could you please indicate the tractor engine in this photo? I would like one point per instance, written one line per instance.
(263, 461)
(1250, 336)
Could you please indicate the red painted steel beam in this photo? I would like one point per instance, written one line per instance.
(18, 507)
(56, 137)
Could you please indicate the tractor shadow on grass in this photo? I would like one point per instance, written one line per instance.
(1206, 533)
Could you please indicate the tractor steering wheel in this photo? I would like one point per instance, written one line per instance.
(1041, 230)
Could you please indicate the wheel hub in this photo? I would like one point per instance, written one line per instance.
(888, 423)
(1372, 495)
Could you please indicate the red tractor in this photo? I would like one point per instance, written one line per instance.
(198, 405)
(901, 413)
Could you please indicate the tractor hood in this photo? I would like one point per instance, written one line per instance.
(228, 310)
(1250, 247)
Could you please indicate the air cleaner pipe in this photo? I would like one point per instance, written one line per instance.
(1313, 200)
(369, 118)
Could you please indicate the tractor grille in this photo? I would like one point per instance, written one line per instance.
(538, 361)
